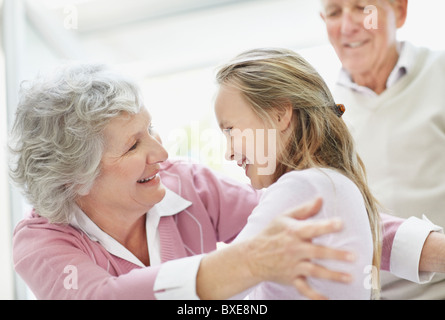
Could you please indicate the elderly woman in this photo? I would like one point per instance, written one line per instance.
(104, 225)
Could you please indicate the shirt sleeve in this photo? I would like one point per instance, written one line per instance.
(176, 279)
(407, 249)
(61, 271)
(61, 263)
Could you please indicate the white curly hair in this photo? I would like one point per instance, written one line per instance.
(56, 142)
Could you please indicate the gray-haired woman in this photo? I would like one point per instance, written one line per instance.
(113, 218)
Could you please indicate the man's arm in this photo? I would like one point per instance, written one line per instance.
(413, 249)
(432, 258)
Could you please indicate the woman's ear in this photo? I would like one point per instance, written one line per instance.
(83, 190)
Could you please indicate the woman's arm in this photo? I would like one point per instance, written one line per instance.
(281, 253)
(60, 263)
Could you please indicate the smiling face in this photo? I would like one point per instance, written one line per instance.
(250, 142)
(361, 48)
(129, 181)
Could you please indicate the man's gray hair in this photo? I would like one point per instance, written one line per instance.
(56, 142)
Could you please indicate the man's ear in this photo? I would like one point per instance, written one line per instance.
(401, 11)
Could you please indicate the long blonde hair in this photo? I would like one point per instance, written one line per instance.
(270, 79)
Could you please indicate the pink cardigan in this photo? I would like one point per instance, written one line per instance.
(43, 252)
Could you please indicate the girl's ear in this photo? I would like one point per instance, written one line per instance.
(284, 116)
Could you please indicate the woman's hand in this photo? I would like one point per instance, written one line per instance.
(282, 253)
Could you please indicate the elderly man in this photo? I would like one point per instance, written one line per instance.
(393, 92)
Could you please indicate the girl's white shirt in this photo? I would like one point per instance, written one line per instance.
(341, 199)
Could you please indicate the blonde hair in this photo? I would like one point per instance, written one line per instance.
(271, 80)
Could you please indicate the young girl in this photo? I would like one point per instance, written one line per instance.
(284, 128)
